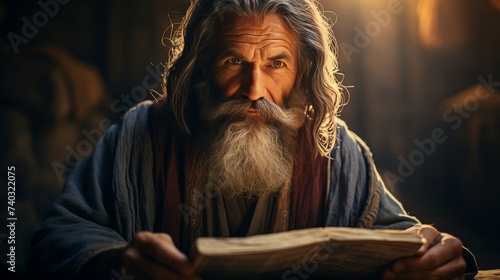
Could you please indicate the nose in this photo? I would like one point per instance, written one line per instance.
(254, 87)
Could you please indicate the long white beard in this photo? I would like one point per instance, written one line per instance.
(247, 155)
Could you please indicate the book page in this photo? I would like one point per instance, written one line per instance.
(349, 253)
(262, 242)
(354, 253)
(268, 254)
(255, 265)
(361, 260)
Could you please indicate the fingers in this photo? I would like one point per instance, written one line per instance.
(431, 237)
(447, 249)
(154, 256)
(161, 248)
(145, 268)
(439, 258)
(452, 270)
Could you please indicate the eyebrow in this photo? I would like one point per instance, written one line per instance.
(229, 53)
(282, 55)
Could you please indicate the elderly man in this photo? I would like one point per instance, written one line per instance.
(245, 141)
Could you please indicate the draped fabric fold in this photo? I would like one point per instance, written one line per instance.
(135, 181)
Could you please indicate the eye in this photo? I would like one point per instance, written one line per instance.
(234, 61)
(278, 64)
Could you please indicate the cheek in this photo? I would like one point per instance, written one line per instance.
(281, 88)
(225, 84)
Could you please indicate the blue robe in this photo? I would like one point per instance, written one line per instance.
(110, 196)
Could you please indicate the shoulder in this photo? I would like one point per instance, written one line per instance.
(135, 119)
(132, 125)
(138, 114)
(349, 144)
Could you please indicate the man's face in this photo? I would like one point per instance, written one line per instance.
(247, 123)
(257, 59)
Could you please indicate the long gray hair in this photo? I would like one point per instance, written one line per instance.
(193, 44)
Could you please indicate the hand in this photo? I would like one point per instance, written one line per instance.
(154, 256)
(439, 258)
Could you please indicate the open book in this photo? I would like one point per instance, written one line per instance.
(333, 252)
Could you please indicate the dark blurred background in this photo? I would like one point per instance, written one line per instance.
(423, 77)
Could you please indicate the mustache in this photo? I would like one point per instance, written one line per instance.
(267, 111)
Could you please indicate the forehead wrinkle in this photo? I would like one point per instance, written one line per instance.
(258, 44)
(261, 47)
(255, 37)
(252, 38)
(266, 43)
(271, 26)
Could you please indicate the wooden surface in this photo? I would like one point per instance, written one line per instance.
(488, 274)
